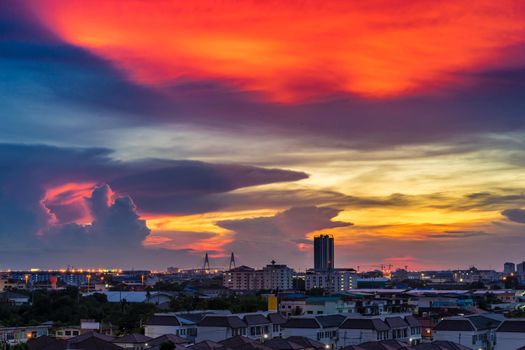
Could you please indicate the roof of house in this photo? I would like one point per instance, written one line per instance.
(207, 345)
(88, 335)
(221, 321)
(306, 342)
(168, 337)
(244, 343)
(455, 325)
(276, 318)
(92, 341)
(353, 347)
(384, 345)
(192, 317)
(236, 341)
(330, 320)
(482, 322)
(133, 338)
(302, 322)
(396, 322)
(163, 320)
(441, 345)
(365, 323)
(283, 344)
(46, 343)
(255, 319)
(412, 321)
(513, 326)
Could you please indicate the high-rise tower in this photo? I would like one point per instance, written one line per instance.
(324, 253)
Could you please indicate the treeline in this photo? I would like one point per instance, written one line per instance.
(235, 304)
(67, 307)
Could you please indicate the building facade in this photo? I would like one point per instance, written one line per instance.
(273, 276)
(324, 258)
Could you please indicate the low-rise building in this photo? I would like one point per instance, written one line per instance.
(134, 341)
(510, 334)
(217, 328)
(355, 331)
(321, 328)
(475, 331)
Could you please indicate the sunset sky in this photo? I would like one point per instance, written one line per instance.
(145, 133)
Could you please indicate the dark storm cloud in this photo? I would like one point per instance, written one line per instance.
(26, 172)
(516, 215)
(280, 235)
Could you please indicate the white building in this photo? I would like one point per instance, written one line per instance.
(161, 324)
(277, 277)
(321, 328)
(240, 278)
(272, 276)
(315, 306)
(337, 280)
(475, 331)
(355, 331)
(510, 334)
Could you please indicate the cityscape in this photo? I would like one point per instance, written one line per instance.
(262, 175)
(324, 307)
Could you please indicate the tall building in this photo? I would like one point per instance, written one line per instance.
(324, 253)
(520, 269)
(509, 268)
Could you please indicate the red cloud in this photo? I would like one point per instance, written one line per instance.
(292, 51)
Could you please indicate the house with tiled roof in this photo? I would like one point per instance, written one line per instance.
(169, 338)
(474, 331)
(181, 325)
(133, 341)
(323, 329)
(354, 331)
(414, 330)
(220, 327)
(276, 320)
(92, 341)
(511, 334)
(258, 326)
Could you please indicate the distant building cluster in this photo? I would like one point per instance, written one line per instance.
(325, 307)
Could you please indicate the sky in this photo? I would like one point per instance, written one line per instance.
(143, 134)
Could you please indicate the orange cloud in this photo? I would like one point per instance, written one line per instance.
(291, 51)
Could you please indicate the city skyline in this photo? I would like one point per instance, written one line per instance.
(145, 135)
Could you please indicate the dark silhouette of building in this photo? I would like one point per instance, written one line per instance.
(324, 253)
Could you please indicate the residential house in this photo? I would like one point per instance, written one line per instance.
(321, 328)
(511, 334)
(258, 326)
(355, 331)
(414, 331)
(217, 328)
(473, 331)
(399, 328)
(178, 341)
(277, 322)
(134, 341)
